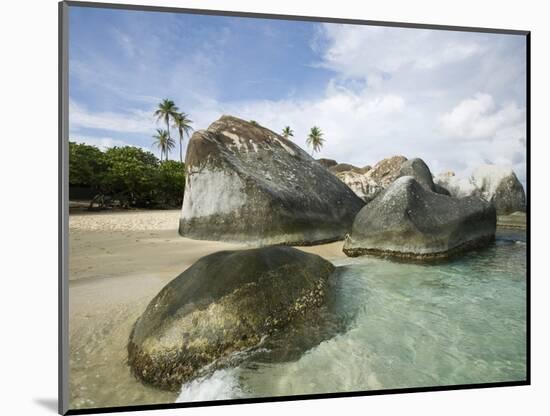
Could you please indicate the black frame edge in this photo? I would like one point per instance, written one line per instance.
(211, 403)
(63, 208)
(210, 12)
(528, 201)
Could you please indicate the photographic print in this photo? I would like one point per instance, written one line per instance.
(283, 207)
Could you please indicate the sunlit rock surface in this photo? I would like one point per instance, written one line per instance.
(246, 183)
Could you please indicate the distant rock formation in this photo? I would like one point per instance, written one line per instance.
(327, 163)
(515, 221)
(495, 184)
(501, 187)
(368, 182)
(344, 167)
(358, 183)
(223, 304)
(246, 183)
(407, 220)
(457, 187)
(386, 171)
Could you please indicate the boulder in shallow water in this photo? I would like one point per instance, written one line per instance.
(246, 183)
(225, 303)
(407, 220)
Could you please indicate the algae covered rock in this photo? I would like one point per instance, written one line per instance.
(225, 303)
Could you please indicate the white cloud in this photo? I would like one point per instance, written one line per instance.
(131, 121)
(393, 91)
(479, 118)
(370, 52)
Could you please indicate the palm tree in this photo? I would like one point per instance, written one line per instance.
(164, 142)
(183, 124)
(160, 141)
(166, 110)
(170, 145)
(288, 132)
(315, 139)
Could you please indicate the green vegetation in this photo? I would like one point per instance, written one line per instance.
(126, 177)
(315, 139)
(288, 132)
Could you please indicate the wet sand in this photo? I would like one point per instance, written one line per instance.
(117, 263)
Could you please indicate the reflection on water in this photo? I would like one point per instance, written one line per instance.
(400, 325)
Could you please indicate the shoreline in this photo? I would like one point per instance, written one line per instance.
(118, 262)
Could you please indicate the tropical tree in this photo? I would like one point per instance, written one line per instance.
(288, 132)
(254, 122)
(161, 139)
(315, 139)
(166, 111)
(183, 124)
(170, 145)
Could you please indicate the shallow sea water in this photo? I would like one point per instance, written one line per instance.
(407, 325)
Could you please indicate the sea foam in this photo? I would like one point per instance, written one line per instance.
(220, 385)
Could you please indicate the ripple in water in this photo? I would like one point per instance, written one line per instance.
(412, 325)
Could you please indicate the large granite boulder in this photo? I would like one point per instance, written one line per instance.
(501, 187)
(246, 183)
(409, 221)
(418, 169)
(225, 303)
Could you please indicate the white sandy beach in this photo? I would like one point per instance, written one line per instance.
(117, 263)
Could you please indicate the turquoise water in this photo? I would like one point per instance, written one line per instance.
(407, 325)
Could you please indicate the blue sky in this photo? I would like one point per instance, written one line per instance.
(455, 99)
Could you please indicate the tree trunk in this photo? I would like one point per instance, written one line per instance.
(181, 148)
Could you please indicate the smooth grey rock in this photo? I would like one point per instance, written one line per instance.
(225, 303)
(246, 183)
(409, 221)
(418, 169)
